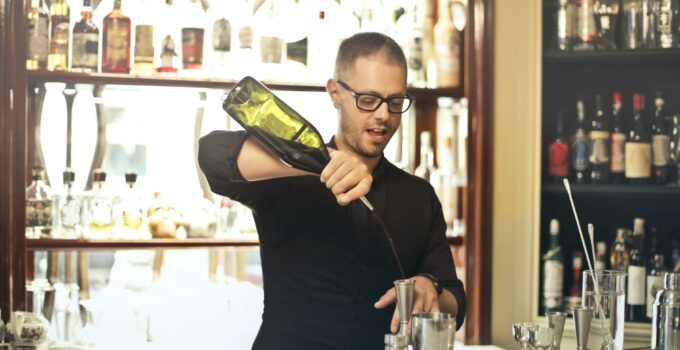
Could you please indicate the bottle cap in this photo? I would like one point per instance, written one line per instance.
(616, 98)
(638, 101)
(445, 101)
(130, 177)
(554, 227)
(638, 226)
(99, 175)
(69, 176)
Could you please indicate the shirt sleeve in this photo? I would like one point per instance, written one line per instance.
(217, 156)
(438, 261)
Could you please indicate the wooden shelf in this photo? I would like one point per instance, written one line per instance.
(651, 56)
(456, 241)
(614, 191)
(424, 93)
(120, 244)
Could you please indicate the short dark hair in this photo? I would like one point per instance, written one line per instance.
(367, 44)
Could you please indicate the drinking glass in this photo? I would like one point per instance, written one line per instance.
(541, 337)
(520, 331)
(609, 302)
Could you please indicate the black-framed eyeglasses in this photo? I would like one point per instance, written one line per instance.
(371, 102)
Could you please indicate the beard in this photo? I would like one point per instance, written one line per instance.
(352, 139)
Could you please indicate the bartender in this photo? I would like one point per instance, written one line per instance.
(327, 266)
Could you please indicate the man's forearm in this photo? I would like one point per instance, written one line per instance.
(256, 163)
(448, 303)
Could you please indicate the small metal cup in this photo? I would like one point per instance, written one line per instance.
(433, 331)
(556, 322)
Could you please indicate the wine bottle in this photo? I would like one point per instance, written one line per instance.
(85, 42)
(661, 142)
(559, 152)
(579, 146)
(637, 272)
(620, 252)
(617, 167)
(599, 147)
(553, 271)
(638, 147)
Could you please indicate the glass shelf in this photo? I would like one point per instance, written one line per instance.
(609, 191)
(650, 56)
(120, 244)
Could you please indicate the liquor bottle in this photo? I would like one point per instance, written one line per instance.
(667, 25)
(144, 39)
(654, 283)
(620, 252)
(559, 152)
(99, 208)
(617, 168)
(59, 30)
(565, 24)
(245, 55)
(39, 207)
(131, 210)
(632, 24)
(606, 22)
(579, 146)
(414, 46)
(675, 254)
(637, 272)
(649, 23)
(577, 270)
(69, 209)
(193, 33)
(447, 43)
(601, 256)
(169, 39)
(116, 41)
(221, 40)
(85, 42)
(270, 42)
(599, 145)
(638, 147)
(653, 241)
(553, 271)
(426, 167)
(661, 142)
(37, 36)
(585, 27)
(675, 149)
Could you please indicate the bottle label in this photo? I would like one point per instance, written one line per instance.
(654, 284)
(415, 53)
(168, 52)
(38, 213)
(552, 283)
(661, 147)
(222, 35)
(85, 50)
(618, 164)
(664, 24)
(144, 43)
(118, 44)
(636, 286)
(245, 38)
(599, 150)
(600, 265)
(60, 31)
(192, 45)
(579, 153)
(297, 51)
(638, 160)
(271, 48)
(102, 215)
(447, 50)
(70, 213)
(559, 160)
(38, 44)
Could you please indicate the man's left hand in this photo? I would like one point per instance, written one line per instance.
(425, 299)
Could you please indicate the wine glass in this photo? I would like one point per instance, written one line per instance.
(541, 337)
(520, 331)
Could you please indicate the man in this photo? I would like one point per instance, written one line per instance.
(328, 269)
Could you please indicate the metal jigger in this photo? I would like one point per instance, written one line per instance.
(582, 317)
(405, 293)
(556, 322)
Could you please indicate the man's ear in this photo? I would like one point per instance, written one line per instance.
(332, 89)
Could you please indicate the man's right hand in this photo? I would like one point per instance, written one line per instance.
(347, 176)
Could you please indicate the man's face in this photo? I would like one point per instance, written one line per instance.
(367, 133)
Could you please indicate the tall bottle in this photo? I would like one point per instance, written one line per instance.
(60, 26)
(620, 252)
(638, 146)
(447, 41)
(414, 46)
(116, 41)
(426, 167)
(654, 283)
(579, 146)
(637, 273)
(39, 207)
(617, 167)
(169, 39)
(69, 210)
(564, 17)
(600, 256)
(144, 39)
(599, 145)
(667, 25)
(100, 215)
(193, 32)
(649, 23)
(661, 141)
(559, 152)
(577, 270)
(85, 42)
(37, 36)
(132, 211)
(221, 40)
(585, 27)
(632, 24)
(553, 271)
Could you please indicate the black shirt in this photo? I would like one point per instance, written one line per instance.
(325, 265)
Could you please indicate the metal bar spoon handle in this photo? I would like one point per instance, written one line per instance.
(582, 317)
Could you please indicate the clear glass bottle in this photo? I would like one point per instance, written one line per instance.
(144, 39)
(447, 42)
(116, 40)
(100, 216)
(271, 43)
(39, 207)
(632, 24)
(564, 19)
(37, 33)
(170, 37)
(620, 252)
(131, 209)
(221, 39)
(415, 46)
(426, 167)
(193, 32)
(599, 145)
(585, 25)
(606, 21)
(553, 271)
(85, 42)
(60, 26)
(69, 210)
(638, 146)
(650, 11)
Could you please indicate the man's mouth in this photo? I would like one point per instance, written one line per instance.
(377, 135)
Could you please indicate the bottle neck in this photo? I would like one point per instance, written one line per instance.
(117, 5)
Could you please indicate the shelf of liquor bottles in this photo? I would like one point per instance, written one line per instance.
(613, 191)
(639, 57)
(121, 244)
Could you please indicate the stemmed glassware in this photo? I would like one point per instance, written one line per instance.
(541, 337)
(520, 331)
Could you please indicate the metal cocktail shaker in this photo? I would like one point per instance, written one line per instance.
(666, 319)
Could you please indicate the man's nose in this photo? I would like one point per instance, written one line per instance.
(382, 113)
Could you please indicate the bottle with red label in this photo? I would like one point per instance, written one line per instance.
(617, 167)
(116, 41)
(558, 155)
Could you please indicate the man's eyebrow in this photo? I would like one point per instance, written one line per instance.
(373, 92)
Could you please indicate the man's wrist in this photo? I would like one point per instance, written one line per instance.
(435, 282)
